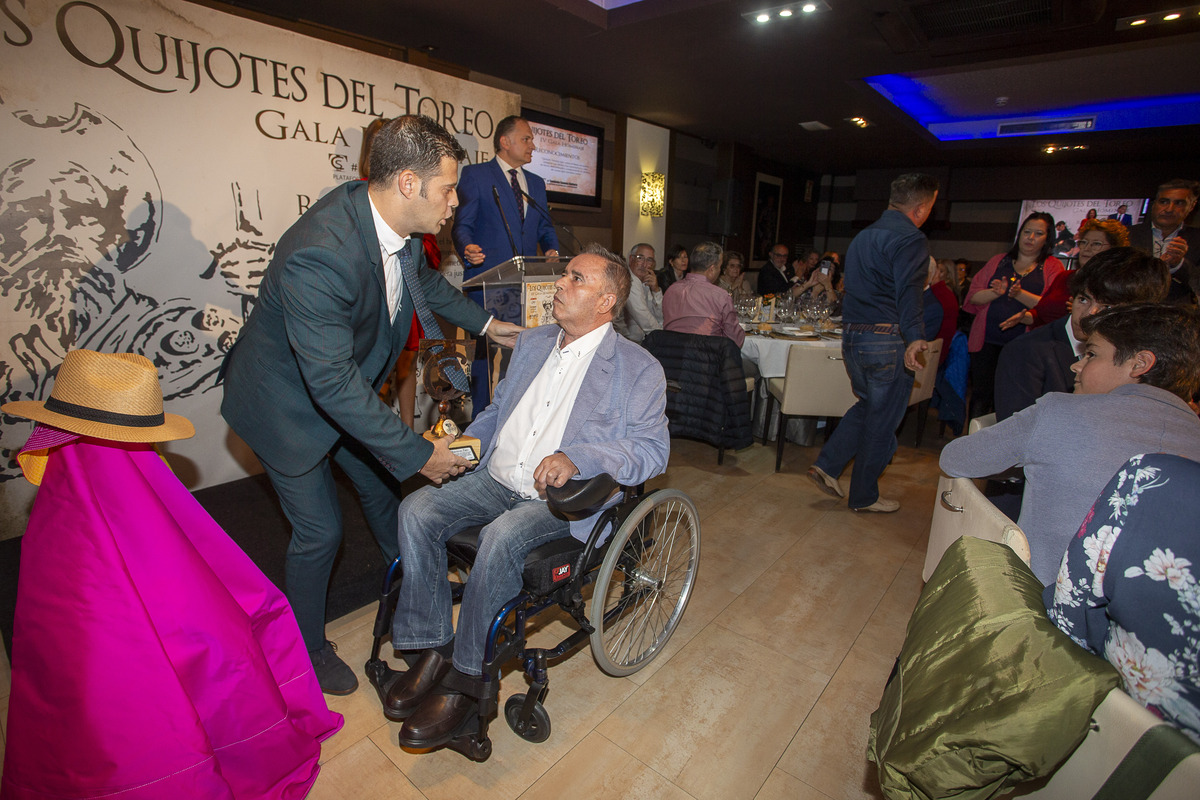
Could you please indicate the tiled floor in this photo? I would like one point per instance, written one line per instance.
(764, 692)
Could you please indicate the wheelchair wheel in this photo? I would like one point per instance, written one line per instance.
(538, 728)
(644, 582)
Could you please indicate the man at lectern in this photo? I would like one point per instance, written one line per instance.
(479, 226)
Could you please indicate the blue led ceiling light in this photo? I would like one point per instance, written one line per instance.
(914, 99)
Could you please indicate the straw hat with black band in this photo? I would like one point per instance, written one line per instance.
(114, 396)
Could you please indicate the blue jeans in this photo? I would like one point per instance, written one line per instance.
(513, 526)
(310, 502)
(867, 434)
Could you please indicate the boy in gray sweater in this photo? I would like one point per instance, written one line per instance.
(1139, 371)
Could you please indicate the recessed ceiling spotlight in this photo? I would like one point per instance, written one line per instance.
(1163, 17)
(1001, 101)
(786, 11)
(859, 122)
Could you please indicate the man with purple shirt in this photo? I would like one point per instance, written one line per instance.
(696, 304)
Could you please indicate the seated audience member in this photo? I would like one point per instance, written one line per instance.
(643, 310)
(776, 277)
(962, 272)
(1126, 589)
(577, 401)
(676, 268)
(946, 274)
(1096, 236)
(933, 313)
(696, 304)
(1140, 367)
(943, 294)
(1040, 361)
(820, 282)
(1165, 234)
(733, 276)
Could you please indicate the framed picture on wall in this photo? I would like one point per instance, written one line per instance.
(768, 196)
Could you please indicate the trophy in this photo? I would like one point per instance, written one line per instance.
(439, 358)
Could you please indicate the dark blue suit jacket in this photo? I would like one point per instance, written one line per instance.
(478, 222)
(309, 362)
(1034, 364)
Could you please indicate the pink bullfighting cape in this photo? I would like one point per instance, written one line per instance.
(151, 658)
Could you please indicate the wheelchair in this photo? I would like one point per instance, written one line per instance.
(640, 579)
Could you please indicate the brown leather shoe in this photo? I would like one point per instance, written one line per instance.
(437, 720)
(412, 687)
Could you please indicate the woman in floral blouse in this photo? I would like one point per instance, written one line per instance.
(1126, 589)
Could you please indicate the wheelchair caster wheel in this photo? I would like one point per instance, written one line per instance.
(472, 747)
(537, 729)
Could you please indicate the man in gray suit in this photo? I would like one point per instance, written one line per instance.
(333, 312)
(578, 400)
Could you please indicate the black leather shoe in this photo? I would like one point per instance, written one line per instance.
(437, 720)
(414, 685)
(333, 675)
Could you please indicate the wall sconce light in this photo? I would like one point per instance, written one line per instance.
(654, 190)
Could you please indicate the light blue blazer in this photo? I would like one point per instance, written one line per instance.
(618, 424)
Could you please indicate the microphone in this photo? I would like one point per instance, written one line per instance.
(546, 214)
(511, 242)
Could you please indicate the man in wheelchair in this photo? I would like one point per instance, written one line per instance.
(578, 401)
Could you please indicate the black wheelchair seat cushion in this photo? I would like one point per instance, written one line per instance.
(547, 567)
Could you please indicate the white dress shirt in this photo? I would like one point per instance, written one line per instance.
(642, 312)
(390, 243)
(524, 184)
(535, 428)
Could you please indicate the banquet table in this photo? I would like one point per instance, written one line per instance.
(770, 354)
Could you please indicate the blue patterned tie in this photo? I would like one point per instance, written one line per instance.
(517, 194)
(408, 269)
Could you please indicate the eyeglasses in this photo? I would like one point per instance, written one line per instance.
(1086, 245)
(647, 259)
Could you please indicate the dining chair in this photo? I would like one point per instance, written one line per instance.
(979, 423)
(708, 394)
(962, 510)
(922, 391)
(815, 384)
(1115, 754)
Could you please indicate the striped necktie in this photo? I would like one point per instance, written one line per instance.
(408, 269)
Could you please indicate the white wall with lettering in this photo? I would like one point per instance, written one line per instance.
(153, 152)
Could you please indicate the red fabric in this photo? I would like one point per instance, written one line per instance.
(1054, 302)
(949, 303)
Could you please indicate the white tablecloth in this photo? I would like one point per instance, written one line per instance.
(771, 354)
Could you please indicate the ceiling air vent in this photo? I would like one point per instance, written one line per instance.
(949, 19)
(1063, 125)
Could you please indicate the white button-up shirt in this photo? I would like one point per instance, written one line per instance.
(389, 243)
(535, 428)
